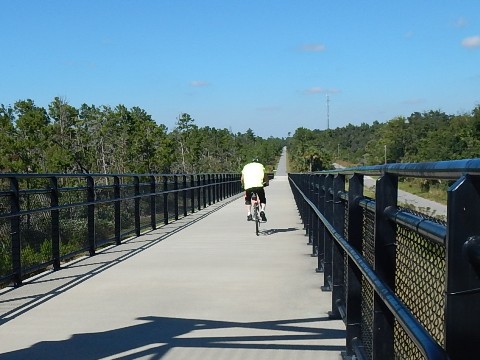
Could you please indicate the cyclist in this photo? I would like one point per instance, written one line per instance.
(254, 179)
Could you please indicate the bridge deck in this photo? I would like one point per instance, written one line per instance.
(203, 287)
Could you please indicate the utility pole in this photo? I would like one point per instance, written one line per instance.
(385, 153)
(328, 113)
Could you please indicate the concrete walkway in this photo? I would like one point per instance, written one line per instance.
(203, 287)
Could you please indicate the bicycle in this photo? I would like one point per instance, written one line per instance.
(256, 212)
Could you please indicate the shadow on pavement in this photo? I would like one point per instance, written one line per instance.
(276, 231)
(157, 335)
(41, 288)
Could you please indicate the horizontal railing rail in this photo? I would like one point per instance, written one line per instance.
(406, 284)
(49, 218)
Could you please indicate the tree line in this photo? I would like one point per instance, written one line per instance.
(421, 137)
(105, 139)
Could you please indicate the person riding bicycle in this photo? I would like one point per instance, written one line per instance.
(254, 179)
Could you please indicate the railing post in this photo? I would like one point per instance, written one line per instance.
(15, 232)
(117, 210)
(303, 203)
(165, 200)
(315, 218)
(462, 306)
(220, 187)
(204, 190)
(184, 195)
(192, 193)
(209, 189)
(385, 237)
(353, 319)
(224, 187)
(55, 216)
(321, 227)
(175, 195)
(91, 215)
(214, 188)
(222, 184)
(338, 216)
(199, 188)
(309, 216)
(328, 213)
(136, 183)
(153, 203)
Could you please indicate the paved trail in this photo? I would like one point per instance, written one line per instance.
(421, 204)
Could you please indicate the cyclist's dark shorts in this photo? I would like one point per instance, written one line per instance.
(261, 194)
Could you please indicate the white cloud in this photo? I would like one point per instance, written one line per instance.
(319, 90)
(461, 22)
(471, 42)
(313, 47)
(199, 83)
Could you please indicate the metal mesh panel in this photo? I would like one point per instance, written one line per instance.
(5, 248)
(35, 237)
(73, 230)
(420, 279)
(127, 211)
(104, 215)
(5, 239)
(35, 230)
(145, 212)
(345, 256)
(368, 251)
(403, 346)
(368, 240)
(367, 318)
(73, 221)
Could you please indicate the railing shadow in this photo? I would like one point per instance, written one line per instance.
(156, 336)
(43, 287)
(276, 231)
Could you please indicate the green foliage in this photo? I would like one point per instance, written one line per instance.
(422, 137)
(108, 140)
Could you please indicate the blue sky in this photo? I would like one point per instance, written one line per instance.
(264, 65)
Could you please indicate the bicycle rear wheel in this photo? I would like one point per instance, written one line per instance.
(257, 219)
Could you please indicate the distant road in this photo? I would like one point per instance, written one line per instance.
(423, 205)
(282, 164)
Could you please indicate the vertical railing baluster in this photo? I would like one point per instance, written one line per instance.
(136, 184)
(386, 191)
(353, 321)
(204, 190)
(55, 217)
(184, 192)
(117, 209)
(175, 195)
(165, 200)
(192, 193)
(462, 310)
(338, 222)
(153, 203)
(91, 215)
(328, 212)
(315, 219)
(15, 222)
(321, 229)
(209, 189)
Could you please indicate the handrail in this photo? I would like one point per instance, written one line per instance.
(427, 345)
(447, 170)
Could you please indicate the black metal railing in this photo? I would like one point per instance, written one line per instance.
(406, 284)
(48, 218)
